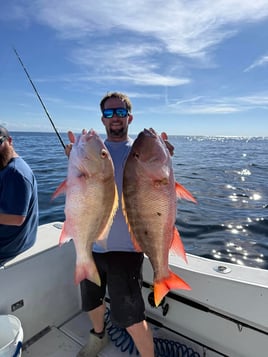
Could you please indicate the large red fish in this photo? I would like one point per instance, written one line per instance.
(150, 204)
(91, 200)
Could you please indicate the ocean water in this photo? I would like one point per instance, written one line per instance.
(227, 176)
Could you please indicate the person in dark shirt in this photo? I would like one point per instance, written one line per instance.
(18, 201)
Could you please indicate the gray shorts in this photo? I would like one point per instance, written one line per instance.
(122, 272)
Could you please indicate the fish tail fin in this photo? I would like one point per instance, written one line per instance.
(182, 192)
(177, 245)
(87, 271)
(61, 189)
(162, 287)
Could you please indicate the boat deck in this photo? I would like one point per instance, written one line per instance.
(225, 314)
(40, 291)
(65, 341)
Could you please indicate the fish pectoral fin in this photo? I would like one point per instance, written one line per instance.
(183, 193)
(87, 270)
(163, 286)
(61, 189)
(177, 246)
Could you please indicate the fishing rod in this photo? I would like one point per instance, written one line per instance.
(43, 105)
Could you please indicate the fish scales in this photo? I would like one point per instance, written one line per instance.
(91, 201)
(150, 205)
(149, 209)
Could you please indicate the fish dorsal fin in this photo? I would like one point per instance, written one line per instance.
(177, 245)
(183, 193)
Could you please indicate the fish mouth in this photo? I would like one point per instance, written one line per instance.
(92, 132)
(85, 136)
(150, 132)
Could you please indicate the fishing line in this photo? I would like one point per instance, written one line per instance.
(43, 105)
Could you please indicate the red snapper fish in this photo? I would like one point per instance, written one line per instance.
(150, 204)
(91, 200)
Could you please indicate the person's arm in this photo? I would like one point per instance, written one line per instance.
(15, 199)
(68, 149)
(169, 146)
(11, 219)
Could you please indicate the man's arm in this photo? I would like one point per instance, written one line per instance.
(11, 219)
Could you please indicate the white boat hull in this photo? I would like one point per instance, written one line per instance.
(225, 313)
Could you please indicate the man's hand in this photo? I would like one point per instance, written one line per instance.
(169, 146)
(68, 147)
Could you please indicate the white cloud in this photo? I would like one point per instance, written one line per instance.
(257, 99)
(131, 63)
(185, 27)
(148, 43)
(226, 105)
(156, 29)
(260, 62)
(188, 28)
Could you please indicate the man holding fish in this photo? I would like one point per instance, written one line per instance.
(118, 245)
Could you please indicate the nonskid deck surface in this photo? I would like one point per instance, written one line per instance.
(67, 340)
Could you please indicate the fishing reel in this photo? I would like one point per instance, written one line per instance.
(163, 305)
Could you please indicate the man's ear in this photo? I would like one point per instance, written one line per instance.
(130, 118)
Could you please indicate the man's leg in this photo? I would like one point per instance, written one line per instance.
(124, 280)
(92, 301)
(96, 317)
(143, 338)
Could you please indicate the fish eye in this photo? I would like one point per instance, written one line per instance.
(103, 154)
(136, 155)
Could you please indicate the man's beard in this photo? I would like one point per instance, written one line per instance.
(5, 157)
(117, 133)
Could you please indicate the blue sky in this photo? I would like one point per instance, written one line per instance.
(189, 67)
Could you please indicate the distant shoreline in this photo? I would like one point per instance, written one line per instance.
(134, 135)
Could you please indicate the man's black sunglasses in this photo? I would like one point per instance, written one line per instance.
(119, 112)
